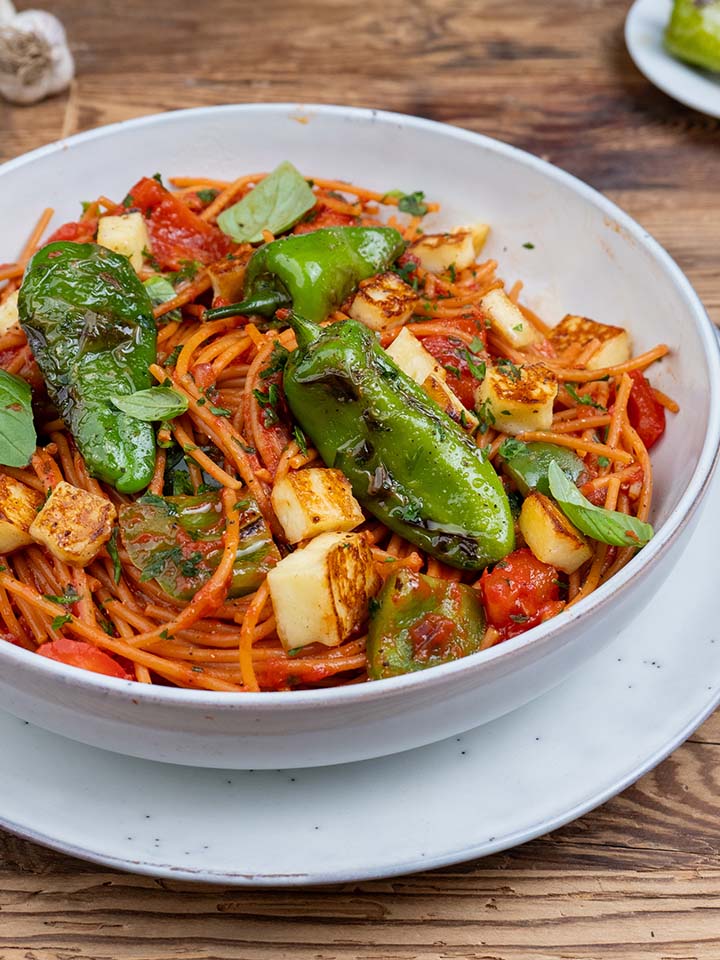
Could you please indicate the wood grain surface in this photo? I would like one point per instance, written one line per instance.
(638, 878)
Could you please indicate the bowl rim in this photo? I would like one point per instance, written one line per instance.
(538, 637)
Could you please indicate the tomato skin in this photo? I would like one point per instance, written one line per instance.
(452, 352)
(81, 231)
(176, 233)
(325, 217)
(645, 414)
(77, 653)
(520, 587)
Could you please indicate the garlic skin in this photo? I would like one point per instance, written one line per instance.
(35, 61)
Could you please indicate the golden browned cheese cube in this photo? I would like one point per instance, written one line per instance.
(551, 536)
(615, 346)
(74, 524)
(518, 398)
(320, 593)
(383, 301)
(19, 505)
(313, 501)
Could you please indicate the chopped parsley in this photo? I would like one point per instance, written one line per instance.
(190, 566)
(153, 500)
(60, 621)
(300, 440)
(220, 411)
(70, 595)
(158, 562)
(207, 196)
(584, 399)
(485, 416)
(529, 246)
(172, 357)
(412, 203)
(112, 549)
(188, 271)
(478, 370)
(268, 401)
(509, 369)
(603, 461)
(278, 359)
(510, 448)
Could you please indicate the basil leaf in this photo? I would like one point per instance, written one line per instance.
(160, 290)
(607, 526)
(155, 403)
(276, 204)
(17, 430)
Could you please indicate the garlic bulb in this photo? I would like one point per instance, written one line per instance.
(35, 61)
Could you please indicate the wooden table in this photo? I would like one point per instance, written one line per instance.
(638, 878)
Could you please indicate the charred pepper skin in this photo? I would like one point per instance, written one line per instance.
(420, 622)
(313, 272)
(408, 463)
(89, 322)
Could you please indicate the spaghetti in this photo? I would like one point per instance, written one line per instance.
(110, 618)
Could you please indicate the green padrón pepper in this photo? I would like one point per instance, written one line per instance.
(313, 272)
(420, 622)
(407, 461)
(177, 541)
(528, 464)
(89, 322)
(693, 33)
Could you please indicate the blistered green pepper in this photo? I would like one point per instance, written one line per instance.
(177, 541)
(420, 622)
(313, 272)
(89, 322)
(408, 462)
(693, 33)
(528, 464)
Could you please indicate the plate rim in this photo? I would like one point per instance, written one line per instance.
(632, 23)
(310, 699)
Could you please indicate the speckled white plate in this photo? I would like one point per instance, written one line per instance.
(493, 788)
(644, 29)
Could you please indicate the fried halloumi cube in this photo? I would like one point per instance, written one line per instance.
(519, 398)
(551, 536)
(508, 320)
(422, 367)
(313, 501)
(9, 313)
(228, 278)
(73, 524)
(19, 505)
(615, 346)
(320, 593)
(439, 252)
(126, 234)
(383, 301)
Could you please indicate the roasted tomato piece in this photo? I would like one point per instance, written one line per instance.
(77, 653)
(322, 216)
(645, 414)
(80, 231)
(520, 592)
(456, 357)
(176, 233)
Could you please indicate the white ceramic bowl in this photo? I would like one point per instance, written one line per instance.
(588, 257)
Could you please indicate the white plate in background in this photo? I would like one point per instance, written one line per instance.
(487, 790)
(644, 30)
